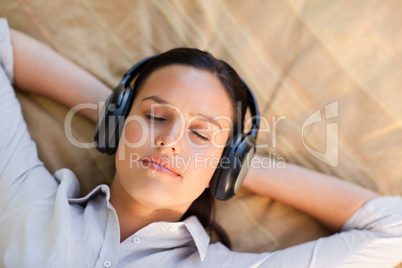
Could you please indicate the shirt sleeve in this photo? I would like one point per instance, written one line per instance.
(372, 237)
(23, 178)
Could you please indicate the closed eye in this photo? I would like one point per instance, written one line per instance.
(150, 117)
(198, 135)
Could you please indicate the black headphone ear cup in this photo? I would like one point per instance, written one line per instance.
(111, 124)
(232, 168)
(213, 184)
(225, 173)
(101, 137)
(120, 119)
(111, 121)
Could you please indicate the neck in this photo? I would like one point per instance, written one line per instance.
(134, 215)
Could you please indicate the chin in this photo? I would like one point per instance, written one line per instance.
(156, 195)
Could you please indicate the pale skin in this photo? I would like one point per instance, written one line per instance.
(330, 200)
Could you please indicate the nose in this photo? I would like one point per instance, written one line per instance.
(169, 137)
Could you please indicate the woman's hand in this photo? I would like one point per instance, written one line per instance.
(330, 200)
(39, 69)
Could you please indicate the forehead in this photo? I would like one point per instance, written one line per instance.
(192, 90)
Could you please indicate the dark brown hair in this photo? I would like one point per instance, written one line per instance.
(204, 206)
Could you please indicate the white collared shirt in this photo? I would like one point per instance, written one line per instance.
(44, 224)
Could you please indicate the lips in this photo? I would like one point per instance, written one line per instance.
(161, 164)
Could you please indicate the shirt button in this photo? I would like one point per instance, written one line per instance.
(107, 264)
(136, 240)
(172, 229)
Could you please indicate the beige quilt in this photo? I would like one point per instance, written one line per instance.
(327, 76)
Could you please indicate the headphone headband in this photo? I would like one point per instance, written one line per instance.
(252, 105)
(135, 70)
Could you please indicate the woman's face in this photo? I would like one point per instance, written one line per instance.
(173, 138)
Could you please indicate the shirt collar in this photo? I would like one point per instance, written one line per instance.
(200, 236)
(192, 224)
(103, 188)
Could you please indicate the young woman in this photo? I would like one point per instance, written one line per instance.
(146, 218)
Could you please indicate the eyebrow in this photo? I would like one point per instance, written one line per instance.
(155, 99)
(207, 118)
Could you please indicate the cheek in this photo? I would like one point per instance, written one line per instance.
(203, 164)
(134, 137)
(135, 130)
(218, 141)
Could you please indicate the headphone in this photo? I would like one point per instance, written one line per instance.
(237, 154)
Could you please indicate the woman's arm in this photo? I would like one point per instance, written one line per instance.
(39, 69)
(330, 200)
